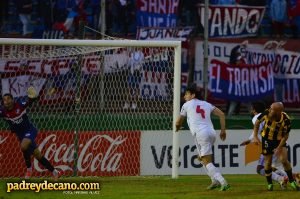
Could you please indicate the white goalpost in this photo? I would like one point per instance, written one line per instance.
(92, 94)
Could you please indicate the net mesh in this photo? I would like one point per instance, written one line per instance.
(93, 104)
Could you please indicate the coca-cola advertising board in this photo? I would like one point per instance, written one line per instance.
(98, 153)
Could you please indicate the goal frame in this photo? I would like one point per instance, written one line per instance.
(125, 43)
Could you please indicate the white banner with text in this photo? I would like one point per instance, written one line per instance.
(229, 156)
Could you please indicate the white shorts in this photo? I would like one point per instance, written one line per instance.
(204, 142)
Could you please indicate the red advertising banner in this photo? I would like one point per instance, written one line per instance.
(99, 153)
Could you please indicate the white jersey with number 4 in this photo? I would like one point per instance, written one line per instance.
(198, 115)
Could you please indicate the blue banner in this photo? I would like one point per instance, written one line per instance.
(157, 13)
(241, 82)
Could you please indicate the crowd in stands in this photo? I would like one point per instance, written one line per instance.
(32, 17)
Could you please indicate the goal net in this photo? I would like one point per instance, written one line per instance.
(95, 100)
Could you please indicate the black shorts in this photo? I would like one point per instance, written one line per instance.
(268, 146)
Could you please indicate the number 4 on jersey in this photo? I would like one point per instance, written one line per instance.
(201, 111)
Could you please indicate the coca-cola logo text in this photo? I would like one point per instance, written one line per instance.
(96, 153)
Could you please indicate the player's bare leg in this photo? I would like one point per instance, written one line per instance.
(214, 173)
(268, 171)
(38, 155)
(288, 168)
(25, 144)
(214, 183)
(27, 159)
(281, 179)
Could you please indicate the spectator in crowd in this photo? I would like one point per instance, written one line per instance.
(252, 2)
(293, 7)
(62, 9)
(188, 12)
(81, 14)
(123, 14)
(118, 16)
(223, 2)
(24, 9)
(65, 13)
(3, 12)
(213, 1)
(131, 17)
(236, 58)
(96, 10)
(227, 2)
(278, 15)
(296, 8)
(45, 13)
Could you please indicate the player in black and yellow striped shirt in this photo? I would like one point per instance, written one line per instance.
(275, 133)
(275, 130)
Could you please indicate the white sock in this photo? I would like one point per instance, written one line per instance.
(211, 178)
(214, 173)
(276, 177)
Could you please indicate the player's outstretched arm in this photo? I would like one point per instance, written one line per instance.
(255, 132)
(221, 116)
(246, 142)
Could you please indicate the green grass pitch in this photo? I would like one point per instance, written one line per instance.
(161, 187)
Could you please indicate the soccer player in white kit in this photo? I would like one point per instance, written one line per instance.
(198, 114)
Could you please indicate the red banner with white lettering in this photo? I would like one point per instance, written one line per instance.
(99, 153)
